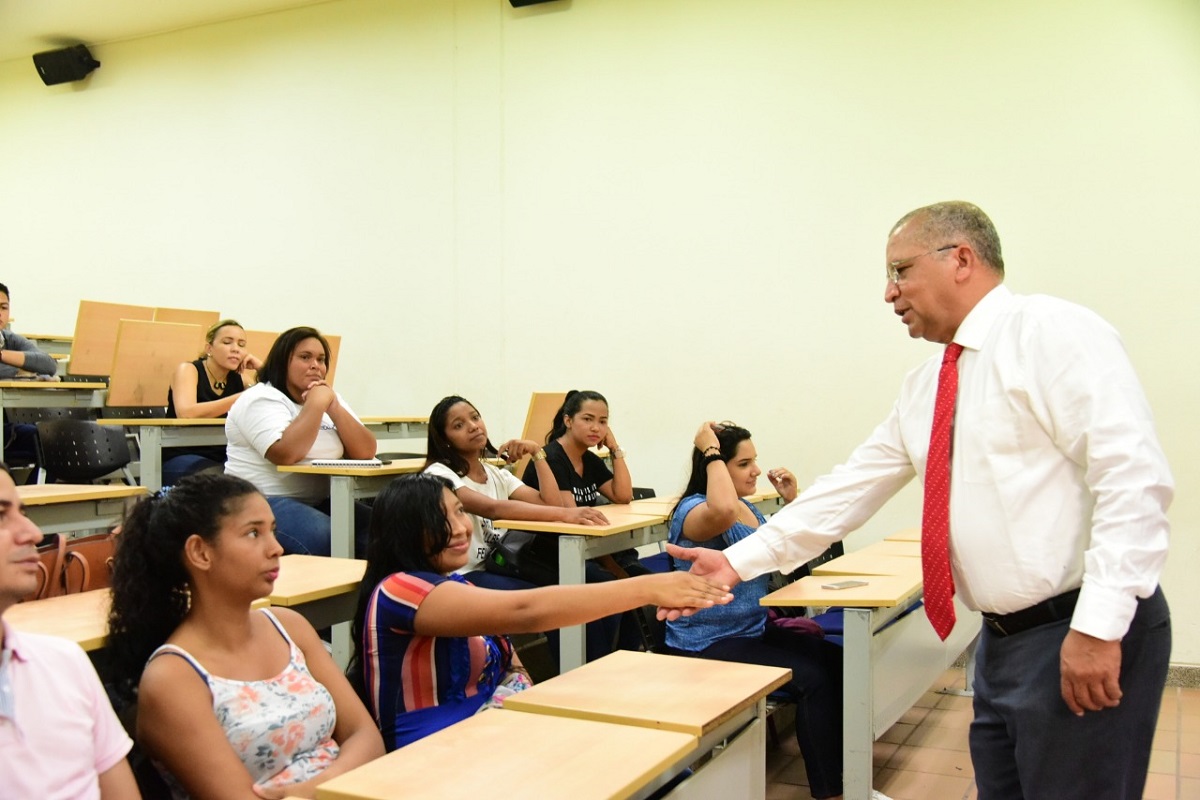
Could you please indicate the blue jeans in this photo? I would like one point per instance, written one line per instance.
(306, 529)
(179, 467)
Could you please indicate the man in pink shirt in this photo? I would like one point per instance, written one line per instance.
(59, 737)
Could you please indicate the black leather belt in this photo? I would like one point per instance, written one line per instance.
(1052, 610)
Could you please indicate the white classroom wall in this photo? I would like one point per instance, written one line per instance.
(681, 203)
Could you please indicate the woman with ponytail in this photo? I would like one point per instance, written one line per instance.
(232, 702)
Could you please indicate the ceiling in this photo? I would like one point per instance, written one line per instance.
(31, 26)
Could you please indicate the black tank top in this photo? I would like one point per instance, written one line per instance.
(204, 390)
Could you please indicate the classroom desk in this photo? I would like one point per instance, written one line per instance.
(868, 562)
(68, 507)
(528, 755)
(888, 547)
(885, 667)
(767, 502)
(718, 702)
(626, 528)
(325, 591)
(346, 484)
(155, 433)
(50, 394)
(397, 427)
(905, 535)
(80, 617)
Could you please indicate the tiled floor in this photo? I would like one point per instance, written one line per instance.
(924, 756)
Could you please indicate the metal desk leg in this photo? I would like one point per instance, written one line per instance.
(858, 735)
(150, 447)
(571, 650)
(341, 516)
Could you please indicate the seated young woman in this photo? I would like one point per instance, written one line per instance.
(206, 389)
(232, 702)
(712, 513)
(457, 445)
(429, 648)
(582, 476)
(289, 416)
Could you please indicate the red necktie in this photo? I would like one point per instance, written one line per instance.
(935, 517)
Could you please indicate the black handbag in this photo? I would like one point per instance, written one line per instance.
(529, 556)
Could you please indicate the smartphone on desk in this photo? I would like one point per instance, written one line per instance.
(843, 584)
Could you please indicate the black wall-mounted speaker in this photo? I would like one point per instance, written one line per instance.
(64, 66)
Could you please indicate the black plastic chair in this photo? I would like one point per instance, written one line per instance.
(81, 451)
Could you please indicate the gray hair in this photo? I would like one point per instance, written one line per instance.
(939, 224)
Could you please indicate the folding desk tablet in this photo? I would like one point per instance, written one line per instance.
(722, 704)
(346, 484)
(507, 753)
(68, 507)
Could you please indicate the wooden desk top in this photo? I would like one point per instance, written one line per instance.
(303, 579)
(533, 755)
(386, 419)
(906, 549)
(59, 385)
(401, 466)
(620, 518)
(904, 535)
(870, 563)
(881, 591)
(82, 617)
(47, 337)
(51, 493)
(163, 422)
(690, 695)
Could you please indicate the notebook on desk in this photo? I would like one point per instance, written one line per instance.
(345, 462)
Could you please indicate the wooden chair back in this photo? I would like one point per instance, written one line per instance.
(259, 343)
(96, 335)
(146, 356)
(539, 421)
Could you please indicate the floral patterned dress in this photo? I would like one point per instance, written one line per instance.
(280, 728)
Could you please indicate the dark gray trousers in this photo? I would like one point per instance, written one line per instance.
(1027, 745)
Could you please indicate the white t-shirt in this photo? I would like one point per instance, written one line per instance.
(256, 421)
(500, 485)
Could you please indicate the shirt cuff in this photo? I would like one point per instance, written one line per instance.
(1103, 612)
(750, 558)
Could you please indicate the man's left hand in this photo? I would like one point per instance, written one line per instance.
(1090, 670)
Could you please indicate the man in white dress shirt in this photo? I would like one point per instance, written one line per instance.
(1058, 530)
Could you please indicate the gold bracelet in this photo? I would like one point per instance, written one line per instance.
(540, 455)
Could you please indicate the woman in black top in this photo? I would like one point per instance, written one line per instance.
(582, 423)
(206, 389)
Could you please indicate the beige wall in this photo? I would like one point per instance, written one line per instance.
(681, 203)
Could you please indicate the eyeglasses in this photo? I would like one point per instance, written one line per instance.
(894, 267)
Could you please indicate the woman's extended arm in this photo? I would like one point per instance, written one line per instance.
(457, 609)
(481, 505)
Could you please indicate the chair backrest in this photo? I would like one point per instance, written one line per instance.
(96, 335)
(29, 416)
(88, 563)
(80, 451)
(259, 343)
(145, 357)
(51, 554)
(539, 420)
